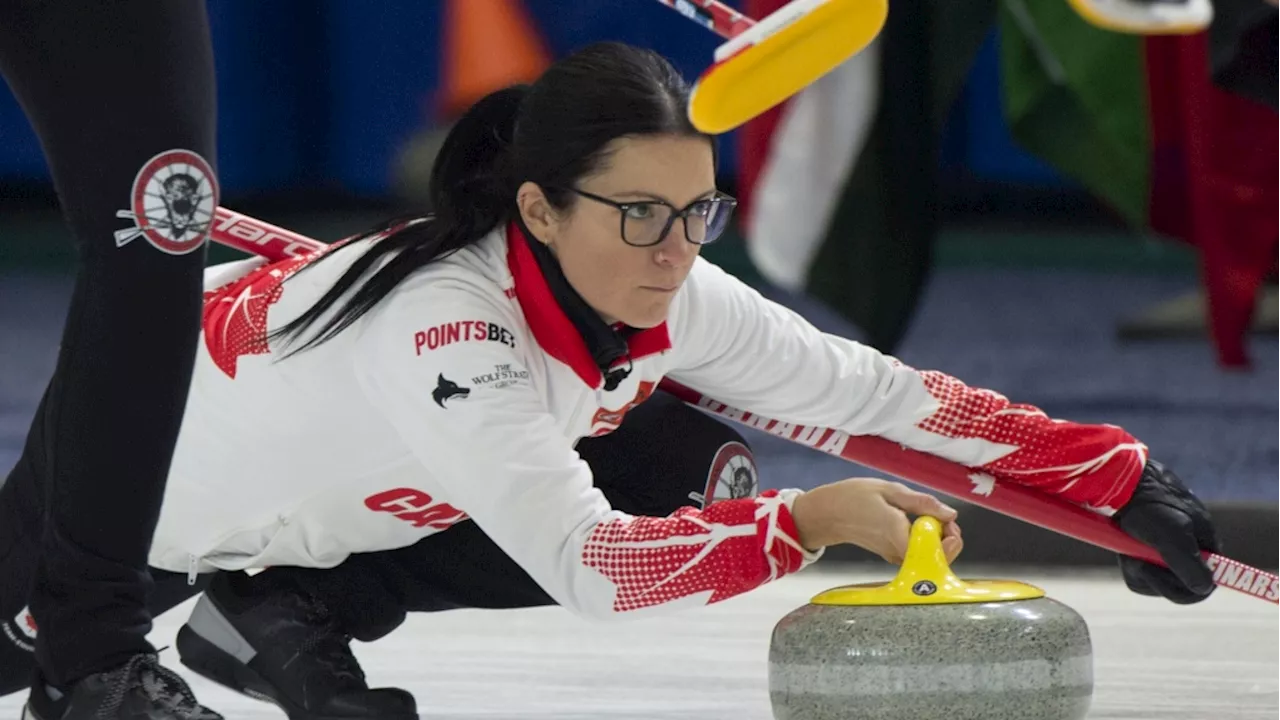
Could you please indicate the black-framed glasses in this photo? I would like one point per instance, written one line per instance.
(646, 222)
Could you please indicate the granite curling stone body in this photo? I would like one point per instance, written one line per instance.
(929, 645)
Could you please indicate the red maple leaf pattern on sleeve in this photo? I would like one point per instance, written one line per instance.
(1093, 465)
(235, 315)
(727, 549)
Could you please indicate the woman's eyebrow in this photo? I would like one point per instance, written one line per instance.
(656, 196)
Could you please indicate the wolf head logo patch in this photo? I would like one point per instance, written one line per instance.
(447, 389)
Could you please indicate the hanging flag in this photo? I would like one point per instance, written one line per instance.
(838, 185)
(1140, 123)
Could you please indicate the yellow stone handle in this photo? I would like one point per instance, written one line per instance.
(925, 570)
(925, 578)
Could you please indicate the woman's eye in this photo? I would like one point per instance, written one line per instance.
(643, 211)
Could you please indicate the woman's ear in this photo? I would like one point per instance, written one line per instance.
(537, 213)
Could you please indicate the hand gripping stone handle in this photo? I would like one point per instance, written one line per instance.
(275, 243)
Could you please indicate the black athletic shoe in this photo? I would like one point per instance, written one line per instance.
(286, 650)
(141, 689)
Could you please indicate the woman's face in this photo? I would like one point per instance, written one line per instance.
(624, 283)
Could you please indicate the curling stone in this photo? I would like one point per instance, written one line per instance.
(929, 645)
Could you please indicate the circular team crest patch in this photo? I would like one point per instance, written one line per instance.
(21, 631)
(732, 475)
(172, 203)
(26, 623)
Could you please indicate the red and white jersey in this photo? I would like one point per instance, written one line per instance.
(461, 396)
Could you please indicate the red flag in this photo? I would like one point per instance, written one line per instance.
(1214, 182)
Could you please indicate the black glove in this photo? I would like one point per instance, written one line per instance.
(1165, 515)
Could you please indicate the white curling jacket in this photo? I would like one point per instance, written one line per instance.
(461, 397)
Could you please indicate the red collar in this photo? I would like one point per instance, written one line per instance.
(553, 329)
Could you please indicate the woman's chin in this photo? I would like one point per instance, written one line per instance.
(648, 317)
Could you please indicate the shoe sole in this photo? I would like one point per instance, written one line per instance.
(213, 663)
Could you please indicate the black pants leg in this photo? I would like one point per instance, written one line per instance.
(664, 456)
(22, 513)
(109, 87)
(22, 521)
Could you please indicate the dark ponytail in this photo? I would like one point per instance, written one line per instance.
(471, 193)
(552, 133)
(472, 186)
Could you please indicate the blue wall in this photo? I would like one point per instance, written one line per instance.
(322, 93)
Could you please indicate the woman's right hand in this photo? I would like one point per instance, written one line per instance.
(871, 514)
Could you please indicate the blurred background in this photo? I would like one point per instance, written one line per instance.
(1079, 219)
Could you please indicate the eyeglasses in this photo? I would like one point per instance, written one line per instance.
(646, 222)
